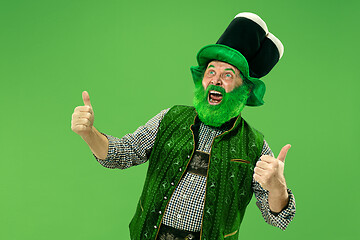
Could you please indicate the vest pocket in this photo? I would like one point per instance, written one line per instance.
(142, 209)
(230, 234)
(240, 160)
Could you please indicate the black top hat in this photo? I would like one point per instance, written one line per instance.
(248, 45)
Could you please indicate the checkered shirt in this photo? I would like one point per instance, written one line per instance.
(186, 205)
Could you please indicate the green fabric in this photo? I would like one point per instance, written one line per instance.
(228, 189)
(235, 58)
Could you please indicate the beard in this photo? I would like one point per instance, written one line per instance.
(230, 106)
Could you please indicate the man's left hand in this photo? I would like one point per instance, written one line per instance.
(269, 172)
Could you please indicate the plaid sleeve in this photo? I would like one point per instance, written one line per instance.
(133, 148)
(281, 219)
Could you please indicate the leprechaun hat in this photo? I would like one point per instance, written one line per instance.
(249, 46)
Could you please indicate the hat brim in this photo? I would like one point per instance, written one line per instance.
(229, 55)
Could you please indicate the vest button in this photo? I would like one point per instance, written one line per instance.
(160, 212)
(180, 169)
(155, 226)
(188, 156)
(165, 197)
(172, 184)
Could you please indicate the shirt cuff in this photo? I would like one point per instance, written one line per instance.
(111, 154)
(281, 219)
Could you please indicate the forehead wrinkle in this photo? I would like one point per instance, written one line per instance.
(228, 68)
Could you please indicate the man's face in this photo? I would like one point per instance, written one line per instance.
(223, 75)
(221, 95)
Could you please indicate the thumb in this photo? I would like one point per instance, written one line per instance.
(86, 98)
(283, 152)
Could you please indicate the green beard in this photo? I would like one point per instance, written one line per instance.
(230, 106)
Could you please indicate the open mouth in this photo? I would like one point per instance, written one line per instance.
(214, 97)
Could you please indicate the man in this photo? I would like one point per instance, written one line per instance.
(206, 161)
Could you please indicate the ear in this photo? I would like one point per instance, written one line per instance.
(248, 83)
(197, 73)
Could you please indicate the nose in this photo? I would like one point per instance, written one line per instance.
(216, 81)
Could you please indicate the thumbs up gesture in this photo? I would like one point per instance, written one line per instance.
(83, 117)
(269, 172)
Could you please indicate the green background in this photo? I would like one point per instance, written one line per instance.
(133, 57)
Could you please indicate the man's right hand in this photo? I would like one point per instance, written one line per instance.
(83, 117)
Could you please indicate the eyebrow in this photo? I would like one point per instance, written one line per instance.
(230, 69)
(225, 68)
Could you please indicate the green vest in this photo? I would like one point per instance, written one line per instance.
(228, 189)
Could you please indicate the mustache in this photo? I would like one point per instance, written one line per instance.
(215, 88)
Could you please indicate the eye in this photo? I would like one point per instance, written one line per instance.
(228, 75)
(212, 72)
